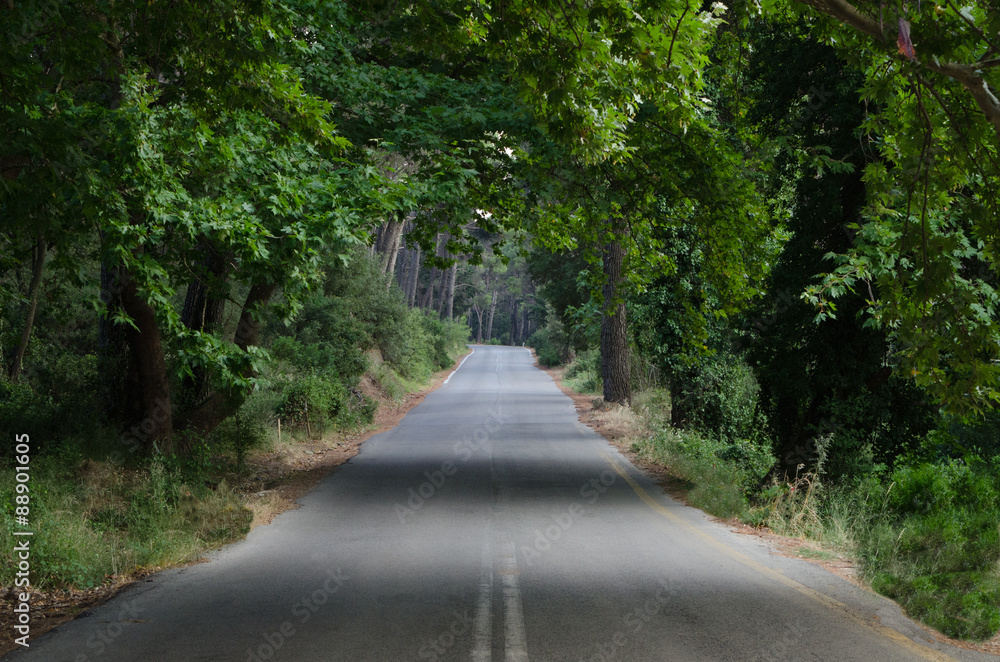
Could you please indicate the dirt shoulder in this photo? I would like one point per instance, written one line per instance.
(621, 428)
(271, 486)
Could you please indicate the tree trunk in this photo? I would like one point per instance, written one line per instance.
(427, 300)
(489, 319)
(427, 303)
(411, 296)
(116, 371)
(202, 312)
(37, 269)
(451, 290)
(479, 331)
(443, 292)
(614, 329)
(512, 333)
(388, 246)
(145, 341)
(403, 275)
(223, 404)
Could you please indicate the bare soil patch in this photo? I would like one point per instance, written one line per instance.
(271, 485)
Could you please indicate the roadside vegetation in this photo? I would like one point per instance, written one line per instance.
(100, 513)
(771, 227)
(923, 530)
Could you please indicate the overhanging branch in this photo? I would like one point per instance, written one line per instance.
(966, 75)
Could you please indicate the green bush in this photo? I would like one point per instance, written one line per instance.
(718, 397)
(58, 399)
(327, 340)
(94, 519)
(311, 399)
(549, 352)
(239, 435)
(929, 537)
(584, 373)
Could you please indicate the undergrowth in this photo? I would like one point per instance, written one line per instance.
(94, 520)
(925, 533)
(99, 513)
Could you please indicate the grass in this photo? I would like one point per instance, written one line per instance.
(105, 520)
(926, 535)
(722, 474)
(584, 374)
(715, 484)
(810, 553)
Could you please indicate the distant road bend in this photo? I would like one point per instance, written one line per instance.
(490, 526)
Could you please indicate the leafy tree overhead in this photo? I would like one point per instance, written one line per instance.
(829, 384)
(927, 240)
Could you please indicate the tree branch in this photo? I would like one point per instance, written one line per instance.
(966, 75)
(846, 13)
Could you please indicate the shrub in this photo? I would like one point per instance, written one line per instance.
(718, 397)
(312, 401)
(96, 519)
(584, 373)
(549, 353)
(722, 475)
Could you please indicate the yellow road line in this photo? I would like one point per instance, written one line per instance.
(841, 608)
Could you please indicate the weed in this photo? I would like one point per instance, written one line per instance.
(102, 519)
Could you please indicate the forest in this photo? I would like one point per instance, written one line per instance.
(771, 226)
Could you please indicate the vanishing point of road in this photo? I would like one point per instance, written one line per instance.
(489, 526)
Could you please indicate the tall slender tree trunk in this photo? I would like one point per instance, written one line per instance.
(411, 297)
(443, 292)
(146, 343)
(614, 329)
(118, 378)
(37, 269)
(427, 300)
(390, 236)
(513, 321)
(489, 319)
(403, 275)
(451, 290)
(479, 328)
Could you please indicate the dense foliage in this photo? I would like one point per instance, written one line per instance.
(779, 218)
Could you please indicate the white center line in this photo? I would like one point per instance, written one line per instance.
(482, 649)
(515, 641)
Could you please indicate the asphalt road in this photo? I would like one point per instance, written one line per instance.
(490, 525)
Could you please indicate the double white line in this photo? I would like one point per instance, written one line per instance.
(514, 638)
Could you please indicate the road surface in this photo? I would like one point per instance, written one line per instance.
(490, 526)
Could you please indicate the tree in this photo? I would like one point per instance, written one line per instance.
(173, 131)
(830, 383)
(925, 242)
